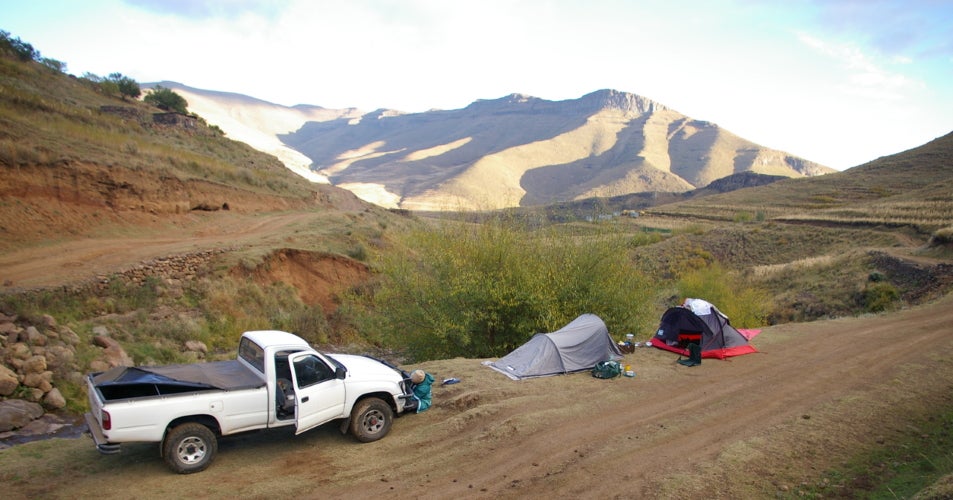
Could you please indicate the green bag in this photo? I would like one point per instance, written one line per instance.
(607, 369)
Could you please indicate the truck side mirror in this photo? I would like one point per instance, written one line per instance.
(340, 372)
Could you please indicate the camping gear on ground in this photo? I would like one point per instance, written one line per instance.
(607, 369)
(578, 346)
(699, 322)
(694, 355)
(422, 389)
(628, 347)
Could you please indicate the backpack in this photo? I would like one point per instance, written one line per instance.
(607, 369)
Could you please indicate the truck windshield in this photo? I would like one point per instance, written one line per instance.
(252, 353)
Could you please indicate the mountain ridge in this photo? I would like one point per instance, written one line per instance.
(516, 150)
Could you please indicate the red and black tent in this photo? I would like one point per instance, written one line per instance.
(699, 322)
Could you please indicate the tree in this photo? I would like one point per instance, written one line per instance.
(23, 50)
(55, 65)
(127, 86)
(167, 99)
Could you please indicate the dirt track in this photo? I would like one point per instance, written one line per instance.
(752, 427)
(77, 260)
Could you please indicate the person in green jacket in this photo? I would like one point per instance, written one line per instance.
(422, 389)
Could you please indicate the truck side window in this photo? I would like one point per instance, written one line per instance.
(310, 370)
(252, 353)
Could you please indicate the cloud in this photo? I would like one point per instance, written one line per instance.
(860, 73)
(911, 29)
(198, 10)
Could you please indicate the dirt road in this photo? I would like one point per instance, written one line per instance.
(74, 260)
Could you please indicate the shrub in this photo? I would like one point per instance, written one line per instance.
(743, 302)
(879, 297)
(481, 291)
(942, 236)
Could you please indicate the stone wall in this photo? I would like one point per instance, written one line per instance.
(36, 356)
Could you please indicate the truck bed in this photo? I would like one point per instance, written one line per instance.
(125, 382)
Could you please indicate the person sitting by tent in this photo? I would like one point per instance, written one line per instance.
(422, 389)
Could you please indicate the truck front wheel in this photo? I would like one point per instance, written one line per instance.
(371, 419)
(189, 448)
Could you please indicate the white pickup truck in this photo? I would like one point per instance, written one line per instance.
(277, 380)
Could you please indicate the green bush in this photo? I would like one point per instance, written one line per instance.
(743, 302)
(480, 291)
(879, 296)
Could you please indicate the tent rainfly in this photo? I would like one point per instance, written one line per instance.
(575, 347)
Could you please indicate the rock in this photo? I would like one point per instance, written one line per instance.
(196, 346)
(8, 381)
(59, 357)
(33, 394)
(98, 365)
(18, 351)
(8, 327)
(42, 381)
(34, 337)
(54, 399)
(68, 335)
(15, 413)
(112, 351)
(47, 424)
(104, 341)
(48, 321)
(34, 364)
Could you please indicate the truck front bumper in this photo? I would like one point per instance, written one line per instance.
(104, 447)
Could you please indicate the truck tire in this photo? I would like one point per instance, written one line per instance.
(371, 419)
(189, 447)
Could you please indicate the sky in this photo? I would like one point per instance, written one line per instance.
(838, 82)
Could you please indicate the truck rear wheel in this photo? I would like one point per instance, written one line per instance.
(371, 419)
(189, 447)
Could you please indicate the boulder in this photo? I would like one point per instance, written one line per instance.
(42, 381)
(15, 413)
(8, 381)
(196, 346)
(48, 321)
(68, 335)
(59, 357)
(18, 351)
(54, 399)
(8, 327)
(113, 353)
(34, 337)
(33, 364)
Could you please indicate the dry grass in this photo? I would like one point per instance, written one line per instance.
(799, 265)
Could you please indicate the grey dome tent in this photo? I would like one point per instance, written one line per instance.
(575, 347)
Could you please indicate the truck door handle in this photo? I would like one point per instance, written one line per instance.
(305, 399)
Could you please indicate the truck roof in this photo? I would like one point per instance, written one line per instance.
(266, 338)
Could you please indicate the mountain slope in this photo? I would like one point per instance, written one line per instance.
(910, 188)
(513, 151)
(76, 160)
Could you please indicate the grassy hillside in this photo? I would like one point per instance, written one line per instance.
(909, 189)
